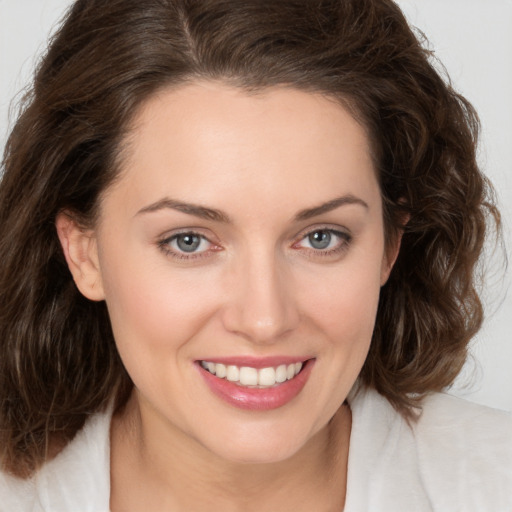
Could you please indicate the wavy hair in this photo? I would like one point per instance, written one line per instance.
(58, 360)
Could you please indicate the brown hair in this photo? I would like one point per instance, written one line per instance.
(58, 359)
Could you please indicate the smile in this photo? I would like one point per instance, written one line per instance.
(248, 376)
(258, 385)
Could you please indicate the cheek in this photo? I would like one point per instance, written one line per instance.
(341, 314)
(346, 303)
(152, 309)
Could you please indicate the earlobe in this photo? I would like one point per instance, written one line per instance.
(80, 250)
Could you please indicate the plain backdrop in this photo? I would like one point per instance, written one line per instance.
(473, 39)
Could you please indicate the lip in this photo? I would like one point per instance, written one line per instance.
(257, 399)
(257, 362)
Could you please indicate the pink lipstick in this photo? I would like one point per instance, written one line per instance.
(256, 383)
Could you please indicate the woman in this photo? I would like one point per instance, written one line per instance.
(238, 264)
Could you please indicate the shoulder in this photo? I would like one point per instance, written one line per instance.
(77, 479)
(448, 420)
(456, 456)
(16, 494)
(467, 447)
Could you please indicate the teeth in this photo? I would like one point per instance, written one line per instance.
(233, 374)
(267, 377)
(281, 373)
(220, 370)
(248, 376)
(252, 377)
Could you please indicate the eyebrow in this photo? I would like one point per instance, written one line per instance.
(218, 216)
(189, 208)
(348, 199)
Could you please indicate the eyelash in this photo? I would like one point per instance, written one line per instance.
(165, 246)
(344, 241)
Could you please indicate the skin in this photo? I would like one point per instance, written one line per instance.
(255, 287)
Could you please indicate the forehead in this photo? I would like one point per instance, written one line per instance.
(206, 139)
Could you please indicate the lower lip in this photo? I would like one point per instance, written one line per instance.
(258, 399)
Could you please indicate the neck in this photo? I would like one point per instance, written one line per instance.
(157, 467)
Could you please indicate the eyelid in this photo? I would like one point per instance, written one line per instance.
(342, 233)
(336, 229)
(165, 240)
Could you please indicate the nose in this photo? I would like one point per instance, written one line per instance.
(261, 307)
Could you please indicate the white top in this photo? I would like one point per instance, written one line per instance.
(457, 457)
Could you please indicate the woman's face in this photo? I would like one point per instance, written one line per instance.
(245, 235)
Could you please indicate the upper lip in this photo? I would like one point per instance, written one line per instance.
(257, 362)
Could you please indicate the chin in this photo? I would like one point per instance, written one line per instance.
(261, 444)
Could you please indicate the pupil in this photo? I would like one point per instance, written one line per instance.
(320, 239)
(188, 243)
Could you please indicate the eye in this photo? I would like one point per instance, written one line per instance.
(320, 239)
(324, 241)
(186, 245)
(189, 242)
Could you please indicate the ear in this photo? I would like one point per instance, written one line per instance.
(81, 253)
(391, 253)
